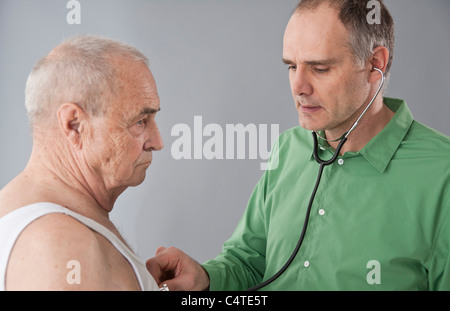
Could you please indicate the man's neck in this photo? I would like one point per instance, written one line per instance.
(373, 122)
(69, 184)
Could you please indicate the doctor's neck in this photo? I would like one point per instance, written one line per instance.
(372, 123)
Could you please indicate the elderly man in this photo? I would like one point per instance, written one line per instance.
(92, 104)
(380, 218)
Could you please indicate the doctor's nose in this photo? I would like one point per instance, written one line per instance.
(300, 84)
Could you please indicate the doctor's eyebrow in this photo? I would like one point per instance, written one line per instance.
(287, 61)
(323, 62)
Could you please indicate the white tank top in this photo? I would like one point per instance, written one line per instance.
(12, 224)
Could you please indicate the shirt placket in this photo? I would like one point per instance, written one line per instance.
(307, 253)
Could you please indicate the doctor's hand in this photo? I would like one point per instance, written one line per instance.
(177, 270)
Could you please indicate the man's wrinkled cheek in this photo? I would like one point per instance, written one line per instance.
(123, 157)
(117, 151)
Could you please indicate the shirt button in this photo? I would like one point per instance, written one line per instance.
(340, 161)
(321, 212)
(306, 263)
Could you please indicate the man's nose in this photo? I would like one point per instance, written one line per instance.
(155, 141)
(300, 83)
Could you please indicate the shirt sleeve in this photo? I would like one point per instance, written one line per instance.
(241, 264)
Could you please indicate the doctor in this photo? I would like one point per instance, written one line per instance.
(380, 217)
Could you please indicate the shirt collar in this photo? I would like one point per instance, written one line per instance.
(380, 149)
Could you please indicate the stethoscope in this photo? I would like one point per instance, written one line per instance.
(322, 164)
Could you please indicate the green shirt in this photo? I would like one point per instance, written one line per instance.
(379, 220)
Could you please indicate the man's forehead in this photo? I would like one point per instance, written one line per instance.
(135, 103)
(314, 37)
(141, 108)
(140, 87)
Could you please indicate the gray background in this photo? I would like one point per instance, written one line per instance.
(217, 59)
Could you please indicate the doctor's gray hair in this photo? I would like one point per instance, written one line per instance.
(80, 71)
(364, 36)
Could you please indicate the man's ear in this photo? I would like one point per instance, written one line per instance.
(380, 59)
(70, 117)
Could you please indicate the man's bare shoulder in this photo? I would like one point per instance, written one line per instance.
(49, 250)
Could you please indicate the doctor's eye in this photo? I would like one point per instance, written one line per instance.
(321, 70)
(292, 68)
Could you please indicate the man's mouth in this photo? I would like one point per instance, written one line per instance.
(309, 109)
(145, 163)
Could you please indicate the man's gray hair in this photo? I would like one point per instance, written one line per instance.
(81, 71)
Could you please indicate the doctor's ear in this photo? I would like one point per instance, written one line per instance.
(379, 59)
(70, 118)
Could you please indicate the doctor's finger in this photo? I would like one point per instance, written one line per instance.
(163, 266)
(160, 250)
